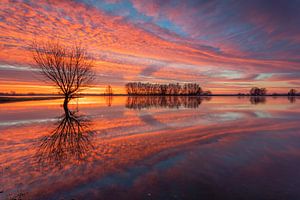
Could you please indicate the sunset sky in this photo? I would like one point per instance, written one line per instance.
(225, 46)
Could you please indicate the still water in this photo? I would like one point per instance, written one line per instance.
(151, 148)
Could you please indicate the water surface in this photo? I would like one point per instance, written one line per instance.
(151, 148)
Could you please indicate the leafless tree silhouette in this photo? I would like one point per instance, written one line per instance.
(69, 69)
(108, 90)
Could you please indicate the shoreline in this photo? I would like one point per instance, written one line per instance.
(22, 98)
(137, 95)
(10, 99)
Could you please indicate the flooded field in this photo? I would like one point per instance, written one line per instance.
(151, 148)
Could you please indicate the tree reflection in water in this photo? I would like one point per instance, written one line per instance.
(292, 99)
(257, 100)
(141, 102)
(109, 100)
(68, 142)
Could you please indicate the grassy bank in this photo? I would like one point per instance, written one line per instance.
(16, 99)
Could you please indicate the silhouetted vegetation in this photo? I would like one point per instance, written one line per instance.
(255, 91)
(138, 88)
(11, 93)
(69, 69)
(207, 93)
(108, 90)
(141, 102)
(292, 92)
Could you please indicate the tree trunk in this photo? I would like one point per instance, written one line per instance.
(66, 101)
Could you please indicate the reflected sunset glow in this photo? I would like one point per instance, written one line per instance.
(123, 137)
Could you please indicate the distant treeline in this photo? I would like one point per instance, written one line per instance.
(255, 91)
(138, 88)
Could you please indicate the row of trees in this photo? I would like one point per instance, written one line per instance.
(255, 91)
(138, 88)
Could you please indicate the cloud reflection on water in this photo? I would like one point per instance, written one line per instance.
(119, 148)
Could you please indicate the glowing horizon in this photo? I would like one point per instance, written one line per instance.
(226, 47)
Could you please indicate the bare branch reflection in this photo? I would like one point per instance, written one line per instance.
(69, 141)
(142, 102)
(109, 100)
(257, 100)
(292, 99)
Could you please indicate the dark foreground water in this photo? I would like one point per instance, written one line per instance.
(151, 148)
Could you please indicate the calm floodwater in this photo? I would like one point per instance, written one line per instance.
(151, 148)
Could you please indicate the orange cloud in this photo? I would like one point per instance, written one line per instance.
(123, 51)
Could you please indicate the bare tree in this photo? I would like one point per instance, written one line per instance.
(69, 69)
(292, 92)
(108, 90)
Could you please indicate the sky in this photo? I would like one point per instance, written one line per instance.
(227, 46)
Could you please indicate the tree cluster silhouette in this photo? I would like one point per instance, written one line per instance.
(292, 92)
(138, 88)
(255, 91)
